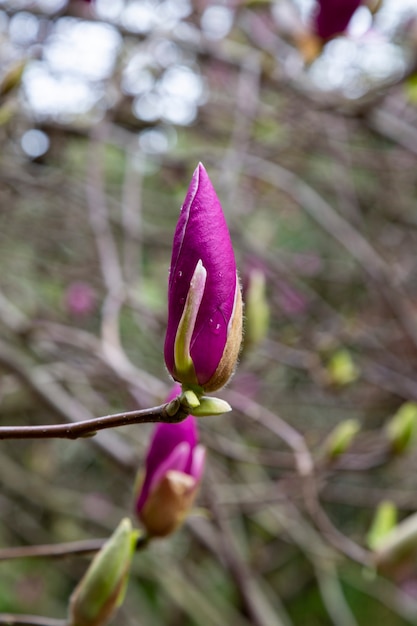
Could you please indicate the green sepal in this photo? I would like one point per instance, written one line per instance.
(211, 406)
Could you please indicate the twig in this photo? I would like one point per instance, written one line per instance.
(11, 619)
(332, 595)
(351, 239)
(393, 127)
(384, 592)
(334, 536)
(99, 218)
(132, 215)
(88, 428)
(260, 611)
(87, 342)
(275, 424)
(55, 397)
(51, 550)
(305, 466)
(57, 550)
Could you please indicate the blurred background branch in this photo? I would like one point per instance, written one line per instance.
(311, 141)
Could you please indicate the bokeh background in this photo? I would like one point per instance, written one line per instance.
(106, 109)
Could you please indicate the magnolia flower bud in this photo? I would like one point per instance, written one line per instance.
(204, 329)
(174, 467)
(101, 591)
(332, 18)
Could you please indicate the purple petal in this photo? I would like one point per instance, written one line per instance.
(333, 16)
(202, 233)
(198, 462)
(178, 460)
(165, 441)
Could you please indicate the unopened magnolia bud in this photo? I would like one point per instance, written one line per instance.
(332, 18)
(384, 521)
(401, 430)
(101, 591)
(341, 437)
(204, 330)
(174, 468)
(169, 503)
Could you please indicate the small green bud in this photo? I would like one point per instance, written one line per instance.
(173, 407)
(211, 406)
(401, 430)
(101, 590)
(257, 312)
(399, 545)
(190, 399)
(341, 437)
(384, 521)
(342, 369)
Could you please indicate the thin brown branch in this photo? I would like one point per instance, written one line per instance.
(278, 426)
(255, 602)
(54, 396)
(87, 342)
(387, 125)
(333, 535)
(58, 550)
(88, 428)
(52, 550)
(11, 619)
(382, 275)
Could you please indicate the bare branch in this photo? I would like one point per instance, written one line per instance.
(11, 619)
(88, 428)
(57, 550)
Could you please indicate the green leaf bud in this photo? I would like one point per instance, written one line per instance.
(401, 430)
(341, 437)
(384, 521)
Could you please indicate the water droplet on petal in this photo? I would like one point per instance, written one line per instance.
(214, 326)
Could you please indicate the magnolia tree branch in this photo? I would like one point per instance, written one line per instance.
(54, 396)
(88, 428)
(56, 550)
(34, 620)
